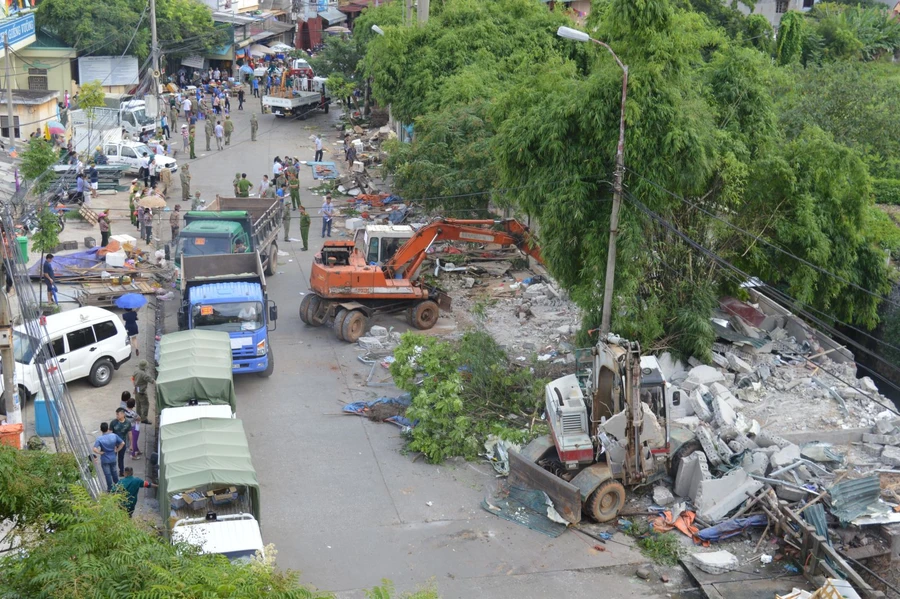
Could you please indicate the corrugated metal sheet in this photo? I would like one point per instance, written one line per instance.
(815, 515)
(851, 498)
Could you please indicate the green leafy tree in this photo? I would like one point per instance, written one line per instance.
(112, 26)
(339, 55)
(790, 38)
(836, 31)
(35, 483)
(45, 239)
(94, 549)
(36, 161)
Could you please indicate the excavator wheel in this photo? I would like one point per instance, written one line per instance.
(354, 326)
(425, 315)
(339, 322)
(605, 503)
(317, 312)
(409, 316)
(304, 308)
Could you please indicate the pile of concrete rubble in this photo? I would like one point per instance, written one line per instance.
(368, 154)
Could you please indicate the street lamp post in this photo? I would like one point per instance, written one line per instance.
(580, 36)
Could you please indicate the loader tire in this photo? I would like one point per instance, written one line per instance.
(304, 308)
(318, 311)
(605, 503)
(339, 323)
(425, 315)
(354, 326)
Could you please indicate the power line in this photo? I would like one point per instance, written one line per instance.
(760, 239)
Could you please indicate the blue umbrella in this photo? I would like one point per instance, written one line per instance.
(131, 300)
(247, 69)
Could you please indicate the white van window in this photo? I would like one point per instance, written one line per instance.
(57, 347)
(105, 330)
(80, 338)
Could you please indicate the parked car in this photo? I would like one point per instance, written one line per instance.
(87, 342)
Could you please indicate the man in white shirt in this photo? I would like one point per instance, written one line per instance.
(263, 186)
(318, 157)
(277, 168)
(186, 107)
(220, 134)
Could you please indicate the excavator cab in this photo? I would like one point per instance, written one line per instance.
(336, 254)
(379, 243)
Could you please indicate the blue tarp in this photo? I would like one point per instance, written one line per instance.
(732, 527)
(361, 407)
(63, 263)
(330, 174)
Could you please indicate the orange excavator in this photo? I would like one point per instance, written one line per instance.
(345, 288)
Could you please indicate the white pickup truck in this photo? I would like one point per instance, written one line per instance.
(130, 154)
(299, 103)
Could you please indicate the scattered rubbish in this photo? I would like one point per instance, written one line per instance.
(765, 559)
(528, 507)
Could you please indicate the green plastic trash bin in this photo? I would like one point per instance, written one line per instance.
(23, 248)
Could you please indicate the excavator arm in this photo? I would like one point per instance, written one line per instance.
(410, 256)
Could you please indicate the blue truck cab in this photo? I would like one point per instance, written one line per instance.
(227, 292)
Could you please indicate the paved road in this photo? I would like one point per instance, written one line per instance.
(341, 502)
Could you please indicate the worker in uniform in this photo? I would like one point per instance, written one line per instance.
(142, 379)
(286, 218)
(294, 186)
(234, 185)
(254, 126)
(185, 183)
(229, 129)
(209, 131)
(193, 137)
(165, 180)
(304, 227)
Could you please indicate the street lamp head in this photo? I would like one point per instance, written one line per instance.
(573, 34)
(377, 29)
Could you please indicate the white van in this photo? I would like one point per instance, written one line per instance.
(87, 342)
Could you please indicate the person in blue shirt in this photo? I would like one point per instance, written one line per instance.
(49, 277)
(164, 125)
(79, 187)
(255, 86)
(107, 446)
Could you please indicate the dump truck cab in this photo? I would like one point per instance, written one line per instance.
(209, 237)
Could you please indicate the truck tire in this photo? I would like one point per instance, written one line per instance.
(354, 326)
(605, 503)
(272, 264)
(339, 323)
(270, 368)
(304, 308)
(425, 315)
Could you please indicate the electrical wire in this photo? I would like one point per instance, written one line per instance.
(763, 241)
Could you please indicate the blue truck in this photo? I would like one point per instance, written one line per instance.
(227, 292)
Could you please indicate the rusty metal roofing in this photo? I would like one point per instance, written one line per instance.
(851, 498)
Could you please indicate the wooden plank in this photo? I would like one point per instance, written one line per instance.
(565, 496)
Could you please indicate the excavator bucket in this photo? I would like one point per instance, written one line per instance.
(525, 472)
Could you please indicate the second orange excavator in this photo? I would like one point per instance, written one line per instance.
(348, 291)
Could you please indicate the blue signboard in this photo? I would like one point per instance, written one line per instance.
(21, 31)
(322, 5)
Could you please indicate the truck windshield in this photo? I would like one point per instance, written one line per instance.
(141, 116)
(203, 246)
(229, 317)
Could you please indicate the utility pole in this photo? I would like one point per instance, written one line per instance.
(154, 53)
(9, 101)
(422, 11)
(12, 409)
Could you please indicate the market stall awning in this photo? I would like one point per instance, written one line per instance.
(260, 50)
(333, 16)
(195, 62)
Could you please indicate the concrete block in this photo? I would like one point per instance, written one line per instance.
(717, 562)
(702, 375)
(756, 462)
(691, 472)
(765, 439)
(378, 331)
(701, 410)
(868, 385)
(720, 360)
(741, 443)
(891, 455)
(716, 497)
(662, 496)
(884, 426)
(708, 443)
(872, 449)
(785, 457)
(881, 439)
(724, 413)
(352, 224)
(735, 364)
(370, 343)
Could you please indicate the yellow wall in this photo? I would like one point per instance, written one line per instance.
(57, 62)
(32, 117)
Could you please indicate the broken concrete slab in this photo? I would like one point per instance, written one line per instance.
(872, 449)
(662, 496)
(370, 343)
(702, 375)
(716, 497)
(717, 562)
(738, 365)
(881, 439)
(891, 455)
(724, 413)
(701, 410)
(378, 332)
(756, 462)
(785, 456)
(868, 385)
(693, 470)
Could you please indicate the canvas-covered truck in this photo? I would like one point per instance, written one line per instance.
(230, 223)
(208, 489)
(194, 369)
(227, 292)
(284, 102)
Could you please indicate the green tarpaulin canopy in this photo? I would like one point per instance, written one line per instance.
(194, 365)
(205, 453)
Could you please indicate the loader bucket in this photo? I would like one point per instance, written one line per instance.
(525, 472)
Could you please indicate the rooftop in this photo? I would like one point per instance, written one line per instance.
(30, 97)
(47, 41)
